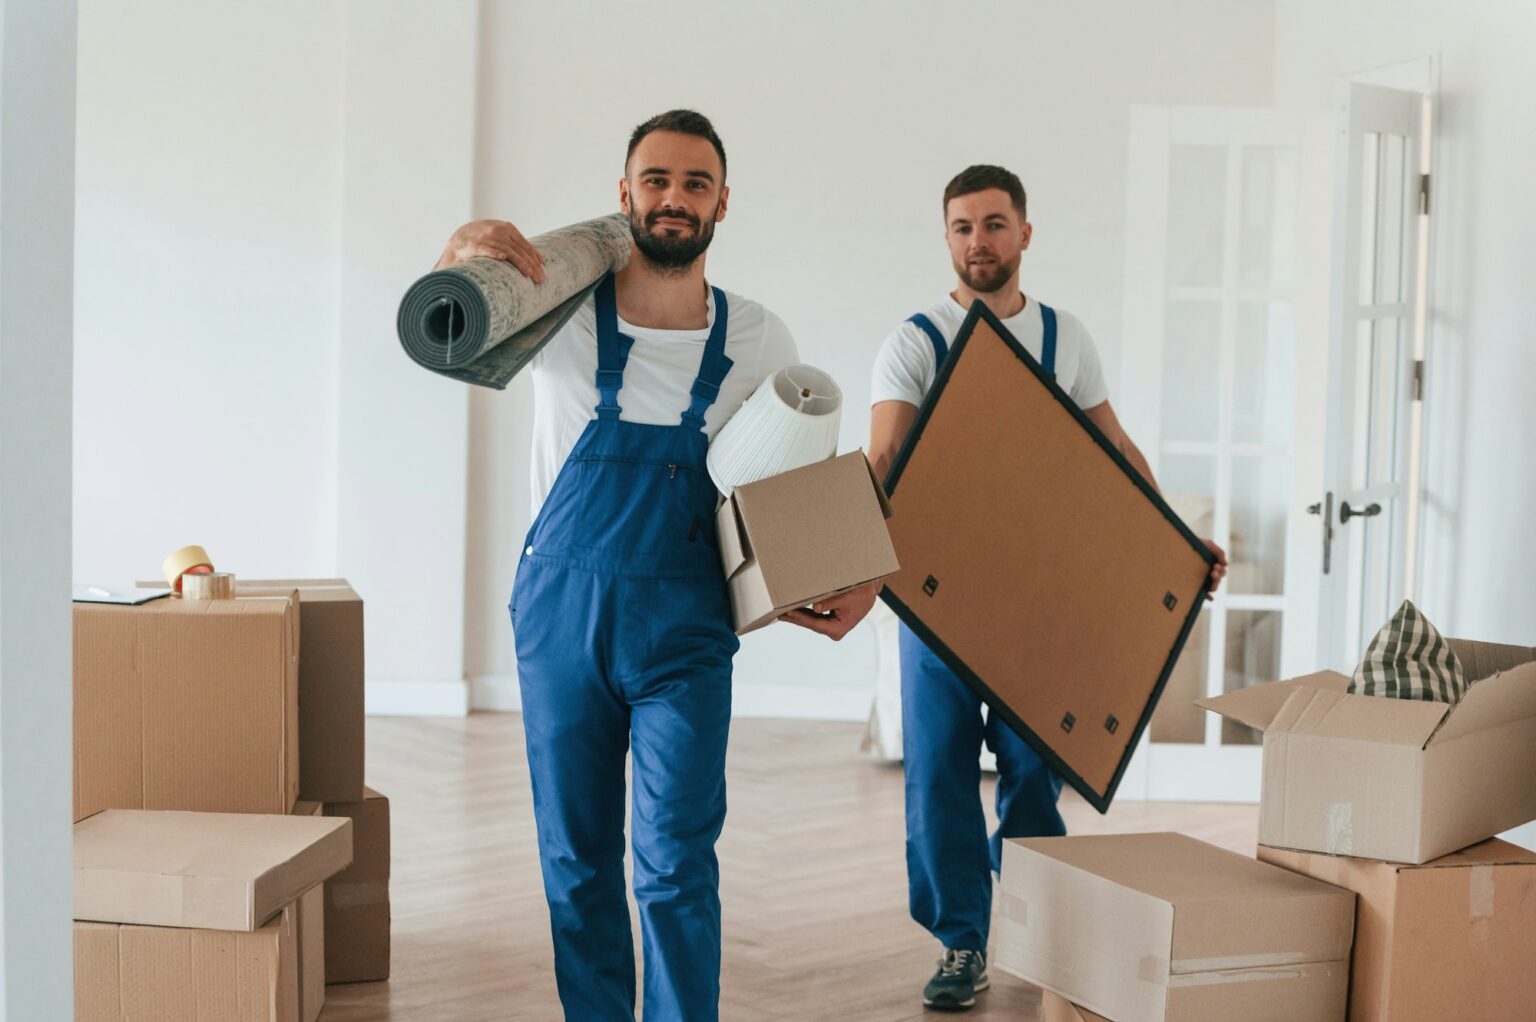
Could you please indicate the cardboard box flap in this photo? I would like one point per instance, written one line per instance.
(1257, 705)
(1481, 659)
(1492, 852)
(874, 480)
(735, 548)
(1507, 696)
(1322, 713)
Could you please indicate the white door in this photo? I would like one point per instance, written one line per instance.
(1223, 388)
(1365, 511)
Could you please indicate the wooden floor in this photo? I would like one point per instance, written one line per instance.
(813, 884)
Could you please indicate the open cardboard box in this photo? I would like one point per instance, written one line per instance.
(802, 536)
(1036, 562)
(1395, 779)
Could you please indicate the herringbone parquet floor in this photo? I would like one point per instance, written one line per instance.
(813, 884)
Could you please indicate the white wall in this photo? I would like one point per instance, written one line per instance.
(842, 123)
(37, 95)
(1480, 446)
(206, 277)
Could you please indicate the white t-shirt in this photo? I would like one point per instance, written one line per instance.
(906, 366)
(657, 378)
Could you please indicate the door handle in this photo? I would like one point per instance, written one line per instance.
(1325, 511)
(1346, 512)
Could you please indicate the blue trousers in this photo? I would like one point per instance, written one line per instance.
(950, 858)
(611, 664)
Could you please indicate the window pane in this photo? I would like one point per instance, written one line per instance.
(1261, 488)
(1177, 718)
(1197, 197)
(1267, 233)
(1264, 383)
(1192, 371)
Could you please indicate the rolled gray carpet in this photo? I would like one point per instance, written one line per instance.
(482, 320)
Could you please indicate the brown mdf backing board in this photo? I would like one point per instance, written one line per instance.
(1036, 562)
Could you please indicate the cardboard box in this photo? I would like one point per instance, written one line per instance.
(1454, 938)
(311, 927)
(187, 705)
(1036, 562)
(1055, 1008)
(795, 538)
(182, 975)
(330, 683)
(310, 923)
(1395, 779)
(1157, 927)
(217, 871)
(357, 899)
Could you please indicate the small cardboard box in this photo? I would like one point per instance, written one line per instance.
(1454, 938)
(1158, 927)
(172, 974)
(795, 538)
(216, 871)
(330, 683)
(1395, 779)
(182, 704)
(357, 899)
(1055, 1008)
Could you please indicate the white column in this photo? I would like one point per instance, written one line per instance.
(37, 175)
(407, 180)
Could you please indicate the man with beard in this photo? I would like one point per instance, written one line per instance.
(950, 859)
(621, 614)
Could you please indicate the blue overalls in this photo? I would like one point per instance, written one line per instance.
(624, 643)
(949, 857)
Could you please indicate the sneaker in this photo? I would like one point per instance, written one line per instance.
(961, 976)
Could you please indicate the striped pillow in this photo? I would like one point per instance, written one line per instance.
(1408, 659)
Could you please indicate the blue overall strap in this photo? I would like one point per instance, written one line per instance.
(940, 346)
(1048, 347)
(712, 368)
(612, 350)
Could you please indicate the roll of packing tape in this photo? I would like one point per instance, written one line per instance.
(218, 585)
(187, 559)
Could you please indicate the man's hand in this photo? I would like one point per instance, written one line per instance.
(836, 616)
(1218, 570)
(493, 239)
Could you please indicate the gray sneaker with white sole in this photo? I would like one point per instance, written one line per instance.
(961, 976)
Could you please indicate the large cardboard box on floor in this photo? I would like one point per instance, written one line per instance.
(171, 974)
(330, 683)
(1395, 779)
(795, 538)
(1036, 562)
(219, 871)
(1055, 1008)
(187, 704)
(357, 917)
(1157, 927)
(1454, 938)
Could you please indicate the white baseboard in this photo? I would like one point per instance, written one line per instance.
(759, 700)
(447, 698)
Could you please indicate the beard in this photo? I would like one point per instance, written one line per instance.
(673, 252)
(987, 279)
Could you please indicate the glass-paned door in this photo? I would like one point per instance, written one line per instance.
(1225, 345)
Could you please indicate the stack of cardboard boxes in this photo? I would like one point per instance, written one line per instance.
(218, 782)
(1390, 805)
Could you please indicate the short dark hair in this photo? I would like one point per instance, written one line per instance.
(684, 122)
(979, 178)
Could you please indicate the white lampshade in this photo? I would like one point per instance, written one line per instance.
(789, 421)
